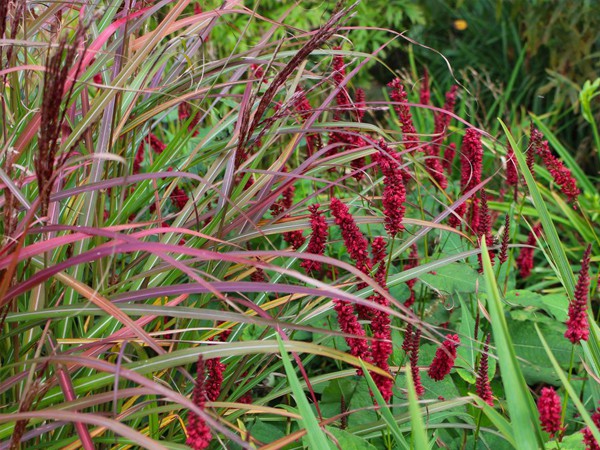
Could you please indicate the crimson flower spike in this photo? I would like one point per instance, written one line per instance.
(399, 96)
(550, 410)
(588, 437)
(349, 324)
(444, 358)
(471, 160)
(381, 347)
(339, 73)
(482, 385)
(484, 229)
(199, 434)
(318, 238)
(505, 240)
(578, 328)
(355, 241)
(414, 359)
(394, 193)
(560, 173)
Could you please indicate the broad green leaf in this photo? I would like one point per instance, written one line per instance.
(455, 277)
(348, 441)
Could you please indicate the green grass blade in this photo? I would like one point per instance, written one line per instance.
(384, 410)
(502, 425)
(521, 407)
(314, 433)
(416, 420)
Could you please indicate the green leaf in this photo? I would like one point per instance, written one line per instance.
(555, 305)
(348, 441)
(466, 350)
(451, 278)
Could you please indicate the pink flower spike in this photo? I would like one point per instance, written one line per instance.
(318, 238)
(482, 385)
(355, 241)
(414, 359)
(578, 328)
(550, 410)
(349, 324)
(588, 437)
(444, 358)
(398, 95)
(394, 193)
(199, 434)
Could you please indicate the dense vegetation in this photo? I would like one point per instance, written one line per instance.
(219, 231)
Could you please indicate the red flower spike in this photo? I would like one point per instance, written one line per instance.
(378, 248)
(339, 73)
(471, 158)
(535, 140)
(505, 240)
(214, 380)
(444, 358)
(578, 328)
(199, 434)
(398, 95)
(562, 176)
(394, 194)
(414, 358)
(482, 386)
(408, 338)
(349, 324)
(442, 121)
(179, 197)
(588, 437)
(318, 238)
(512, 175)
(295, 238)
(525, 258)
(258, 276)
(550, 411)
(257, 70)
(155, 143)
(184, 114)
(484, 229)
(355, 242)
